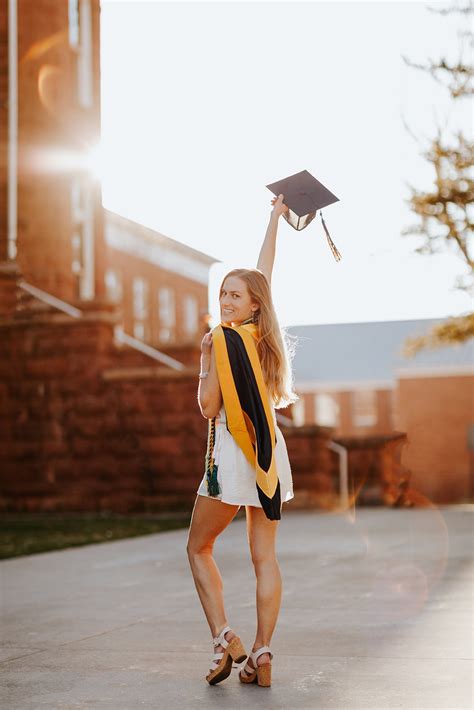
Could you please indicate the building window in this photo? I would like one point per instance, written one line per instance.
(167, 314)
(326, 410)
(140, 298)
(191, 315)
(298, 411)
(82, 211)
(140, 307)
(73, 21)
(139, 330)
(364, 408)
(166, 307)
(87, 289)
(77, 201)
(113, 286)
(76, 247)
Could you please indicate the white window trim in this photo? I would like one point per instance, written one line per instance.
(113, 285)
(140, 307)
(364, 420)
(163, 255)
(167, 308)
(85, 76)
(336, 408)
(87, 284)
(191, 314)
(73, 23)
(12, 129)
(299, 413)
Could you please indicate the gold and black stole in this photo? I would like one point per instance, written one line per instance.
(248, 414)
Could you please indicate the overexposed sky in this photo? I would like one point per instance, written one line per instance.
(203, 104)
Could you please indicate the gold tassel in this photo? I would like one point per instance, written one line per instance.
(334, 249)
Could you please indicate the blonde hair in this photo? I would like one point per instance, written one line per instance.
(275, 347)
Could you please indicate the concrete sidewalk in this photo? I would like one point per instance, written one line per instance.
(376, 613)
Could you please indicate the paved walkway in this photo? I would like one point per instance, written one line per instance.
(376, 613)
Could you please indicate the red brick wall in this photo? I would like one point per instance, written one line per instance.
(130, 267)
(375, 469)
(87, 426)
(347, 427)
(81, 429)
(436, 412)
(74, 439)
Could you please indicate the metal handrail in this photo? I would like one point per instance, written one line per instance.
(119, 334)
(50, 300)
(343, 473)
(147, 349)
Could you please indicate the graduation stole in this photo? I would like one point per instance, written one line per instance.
(249, 418)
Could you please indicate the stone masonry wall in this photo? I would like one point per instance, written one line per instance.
(85, 425)
(73, 437)
(81, 429)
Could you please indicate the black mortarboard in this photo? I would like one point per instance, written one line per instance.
(304, 196)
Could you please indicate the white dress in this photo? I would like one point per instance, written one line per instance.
(236, 476)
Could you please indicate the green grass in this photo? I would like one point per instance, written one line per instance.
(30, 533)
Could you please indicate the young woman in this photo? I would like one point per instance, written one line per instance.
(245, 374)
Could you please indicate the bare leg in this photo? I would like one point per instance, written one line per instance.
(210, 517)
(261, 534)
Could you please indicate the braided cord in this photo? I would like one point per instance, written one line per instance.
(211, 468)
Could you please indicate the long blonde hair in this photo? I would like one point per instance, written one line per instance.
(275, 347)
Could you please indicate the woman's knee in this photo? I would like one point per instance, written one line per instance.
(196, 547)
(210, 517)
(262, 559)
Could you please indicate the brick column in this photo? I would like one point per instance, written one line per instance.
(9, 292)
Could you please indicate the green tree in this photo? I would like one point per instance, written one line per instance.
(445, 216)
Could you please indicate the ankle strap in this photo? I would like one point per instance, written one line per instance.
(220, 640)
(255, 654)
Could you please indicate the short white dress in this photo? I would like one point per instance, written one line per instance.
(236, 476)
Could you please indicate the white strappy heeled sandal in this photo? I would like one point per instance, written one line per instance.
(221, 665)
(258, 674)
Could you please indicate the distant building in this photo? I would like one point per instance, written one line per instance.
(353, 377)
(161, 283)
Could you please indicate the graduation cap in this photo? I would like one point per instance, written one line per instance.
(304, 196)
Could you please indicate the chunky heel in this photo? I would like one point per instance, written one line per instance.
(258, 674)
(222, 662)
(237, 650)
(264, 674)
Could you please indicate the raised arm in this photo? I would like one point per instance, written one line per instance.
(266, 257)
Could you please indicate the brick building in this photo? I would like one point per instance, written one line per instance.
(86, 424)
(51, 216)
(161, 284)
(53, 223)
(353, 377)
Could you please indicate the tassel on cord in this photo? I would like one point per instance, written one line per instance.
(211, 468)
(337, 254)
